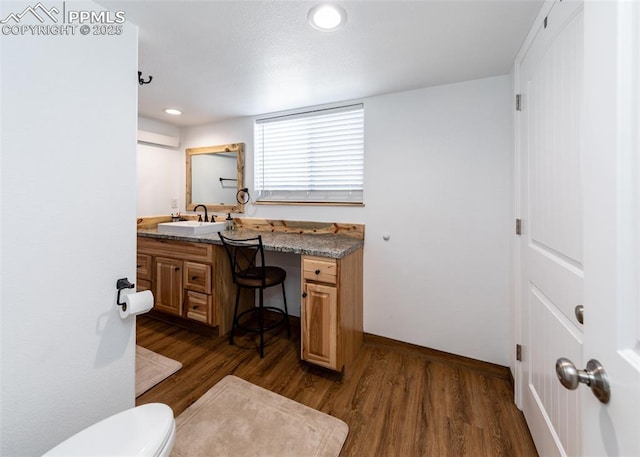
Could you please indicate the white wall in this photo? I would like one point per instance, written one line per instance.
(160, 171)
(67, 182)
(438, 166)
(438, 180)
(160, 128)
(159, 180)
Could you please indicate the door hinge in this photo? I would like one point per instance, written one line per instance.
(519, 352)
(518, 226)
(518, 102)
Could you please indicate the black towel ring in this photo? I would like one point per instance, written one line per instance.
(243, 196)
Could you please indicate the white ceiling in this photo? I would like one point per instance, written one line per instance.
(216, 60)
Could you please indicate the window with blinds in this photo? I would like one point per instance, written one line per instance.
(311, 157)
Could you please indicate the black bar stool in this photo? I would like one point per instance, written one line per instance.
(246, 257)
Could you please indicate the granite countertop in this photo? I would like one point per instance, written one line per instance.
(326, 245)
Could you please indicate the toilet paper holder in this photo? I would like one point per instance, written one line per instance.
(121, 284)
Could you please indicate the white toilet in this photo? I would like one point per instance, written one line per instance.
(148, 430)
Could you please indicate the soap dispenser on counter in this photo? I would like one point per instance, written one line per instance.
(230, 226)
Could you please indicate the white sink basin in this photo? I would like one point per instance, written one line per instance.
(190, 227)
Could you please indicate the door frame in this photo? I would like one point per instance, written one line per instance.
(518, 311)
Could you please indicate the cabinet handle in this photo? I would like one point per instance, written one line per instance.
(317, 272)
(138, 266)
(193, 278)
(304, 295)
(176, 269)
(195, 306)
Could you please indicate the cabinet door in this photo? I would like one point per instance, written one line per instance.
(319, 314)
(168, 285)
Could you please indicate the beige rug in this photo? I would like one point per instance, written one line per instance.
(152, 368)
(236, 418)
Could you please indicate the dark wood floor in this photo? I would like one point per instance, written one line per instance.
(398, 400)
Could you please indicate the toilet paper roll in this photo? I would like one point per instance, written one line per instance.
(137, 303)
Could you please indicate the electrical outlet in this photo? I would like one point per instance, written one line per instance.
(174, 203)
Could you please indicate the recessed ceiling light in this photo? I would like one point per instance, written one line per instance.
(175, 112)
(327, 17)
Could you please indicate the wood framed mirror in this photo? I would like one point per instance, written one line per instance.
(215, 177)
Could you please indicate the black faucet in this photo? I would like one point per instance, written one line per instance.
(206, 216)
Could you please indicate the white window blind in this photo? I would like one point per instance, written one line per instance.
(313, 157)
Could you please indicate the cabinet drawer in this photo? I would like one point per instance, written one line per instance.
(143, 267)
(143, 284)
(199, 307)
(197, 277)
(319, 269)
(197, 252)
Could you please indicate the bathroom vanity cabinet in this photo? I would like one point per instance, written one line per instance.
(189, 280)
(331, 309)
